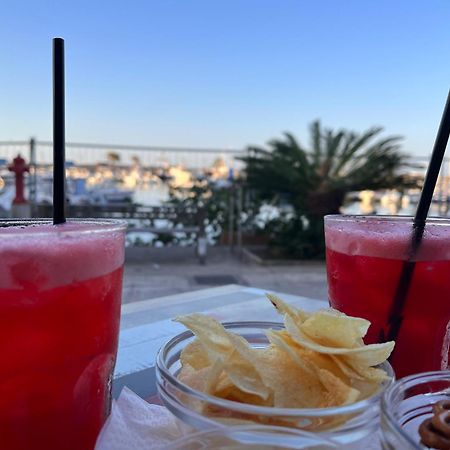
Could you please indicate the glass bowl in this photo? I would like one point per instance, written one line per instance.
(406, 404)
(345, 425)
(257, 437)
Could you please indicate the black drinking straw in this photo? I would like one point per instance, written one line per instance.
(399, 301)
(59, 170)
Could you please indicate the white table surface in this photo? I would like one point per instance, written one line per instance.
(147, 325)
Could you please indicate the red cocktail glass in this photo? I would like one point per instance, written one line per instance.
(365, 256)
(60, 296)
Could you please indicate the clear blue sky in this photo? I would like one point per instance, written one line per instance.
(225, 73)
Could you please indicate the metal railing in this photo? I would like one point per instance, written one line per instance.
(40, 153)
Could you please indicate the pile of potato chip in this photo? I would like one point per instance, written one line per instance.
(318, 360)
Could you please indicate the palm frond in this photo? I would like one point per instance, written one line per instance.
(316, 143)
(332, 143)
(354, 144)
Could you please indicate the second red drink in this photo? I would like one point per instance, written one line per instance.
(365, 256)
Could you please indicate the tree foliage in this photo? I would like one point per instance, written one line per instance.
(315, 180)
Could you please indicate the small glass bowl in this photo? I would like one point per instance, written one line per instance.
(406, 404)
(344, 425)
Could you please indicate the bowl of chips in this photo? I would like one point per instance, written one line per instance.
(311, 373)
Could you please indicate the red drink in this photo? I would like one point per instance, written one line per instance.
(60, 293)
(365, 256)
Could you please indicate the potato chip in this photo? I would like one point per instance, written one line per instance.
(335, 330)
(292, 387)
(203, 380)
(305, 357)
(368, 373)
(242, 373)
(195, 355)
(195, 379)
(227, 390)
(284, 308)
(211, 334)
(338, 393)
(280, 340)
(334, 381)
(367, 382)
(233, 350)
(224, 384)
(235, 394)
(323, 361)
(365, 355)
(213, 376)
(345, 368)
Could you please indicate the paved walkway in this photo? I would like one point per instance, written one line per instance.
(151, 273)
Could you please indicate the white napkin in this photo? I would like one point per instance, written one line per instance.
(135, 424)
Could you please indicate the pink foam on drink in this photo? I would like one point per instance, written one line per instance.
(46, 256)
(378, 237)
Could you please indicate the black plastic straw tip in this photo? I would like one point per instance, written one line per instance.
(59, 178)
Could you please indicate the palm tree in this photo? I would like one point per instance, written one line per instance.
(315, 180)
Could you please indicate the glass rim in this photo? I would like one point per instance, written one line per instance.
(362, 218)
(397, 388)
(358, 406)
(99, 225)
(236, 432)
